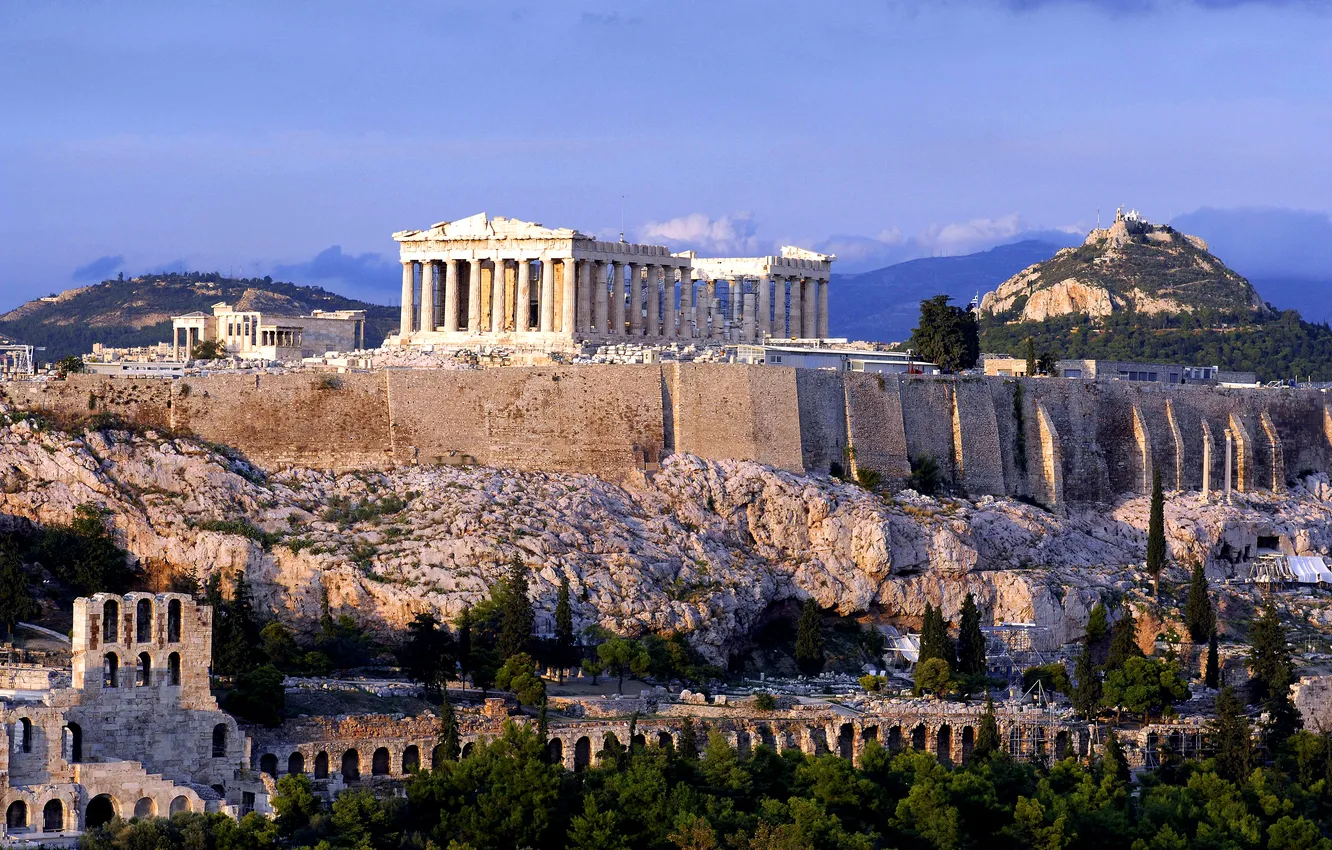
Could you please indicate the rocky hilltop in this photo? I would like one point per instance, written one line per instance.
(702, 547)
(1131, 266)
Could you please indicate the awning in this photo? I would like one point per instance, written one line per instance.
(1309, 569)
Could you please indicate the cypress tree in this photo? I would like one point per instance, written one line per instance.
(1269, 654)
(1231, 736)
(1123, 641)
(1031, 358)
(1098, 624)
(1156, 541)
(448, 731)
(970, 641)
(1199, 618)
(934, 640)
(688, 748)
(516, 614)
(564, 628)
(465, 643)
(809, 640)
(1212, 671)
(1113, 760)
(1087, 689)
(987, 738)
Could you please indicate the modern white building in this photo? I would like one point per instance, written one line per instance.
(836, 359)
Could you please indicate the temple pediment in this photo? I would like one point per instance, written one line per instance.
(480, 226)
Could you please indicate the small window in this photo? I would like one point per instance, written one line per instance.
(143, 621)
(144, 672)
(173, 621)
(25, 734)
(220, 741)
(173, 669)
(110, 671)
(110, 618)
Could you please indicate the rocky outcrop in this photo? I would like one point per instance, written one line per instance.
(702, 547)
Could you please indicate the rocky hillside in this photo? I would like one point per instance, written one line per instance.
(138, 311)
(1131, 266)
(703, 547)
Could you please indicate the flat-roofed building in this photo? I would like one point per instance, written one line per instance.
(255, 335)
(835, 359)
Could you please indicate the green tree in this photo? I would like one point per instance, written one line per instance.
(1047, 364)
(934, 639)
(280, 645)
(1231, 736)
(947, 336)
(595, 829)
(465, 643)
(1113, 760)
(1086, 694)
(1199, 618)
(1031, 357)
(970, 639)
(564, 629)
(71, 365)
(933, 676)
(258, 696)
(236, 636)
(207, 349)
(925, 476)
(809, 639)
(427, 653)
(516, 614)
(1156, 540)
(1052, 676)
(1098, 624)
(1212, 669)
(448, 731)
(688, 744)
(518, 674)
(1123, 641)
(295, 803)
(1270, 662)
(623, 656)
(1143, 685)
(16, 600)
(987, 738)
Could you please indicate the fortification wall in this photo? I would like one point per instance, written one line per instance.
(927, 414)
(822, 404)
(721, 412)
(874, 425)
(976, 442)
(144, 400)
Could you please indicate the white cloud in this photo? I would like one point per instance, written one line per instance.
(967, 236)
(730, 235)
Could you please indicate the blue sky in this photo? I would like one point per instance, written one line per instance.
(295, 137)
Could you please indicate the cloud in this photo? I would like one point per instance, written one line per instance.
(1130, 7)
(729, 236)
(370, 276)
(99, 269)
(1265, 241)
(608, 19)
(857, 253)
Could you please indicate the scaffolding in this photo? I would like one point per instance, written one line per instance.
(16, 361)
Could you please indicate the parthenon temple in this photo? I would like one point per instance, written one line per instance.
(509, 282)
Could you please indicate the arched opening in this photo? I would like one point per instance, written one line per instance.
(101, 810)
(943, 744)
(1061, 745)
(173, 669)
(639, 740)
(143, 675)
(53, 816)
(610, 747)
(437, 757)
(110, 670)
(1038, 743)
(110, 621)
(351, 766)
(664, 740)
(72, 743)
(968, 743)
(268, 764)
(220, 741)
(582, 753)
(25, 734)
(16, 816)
(145, 808)
(295, 764)
(1015, 742)
(1084, 743)
(180, 804)
(321, 766)
(918, 737)
(143, 621)
(411, 759)
(467, 749)
(895, 739)
(379, 762)
(846, 741)
(555, 751)
(869, 733)
(766, 738)
(173, 621)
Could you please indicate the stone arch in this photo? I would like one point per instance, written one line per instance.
(110, 670)
(968, 742)
(25, 734)
(173, 669)
(918, 737)
(72, 743)
(101, 810)
(110, 621)
(1084, 743)
(664, 740)
(143, 621)
(268, 764)
(379, 762)
(555, 751)
(846, 741)
(943, 743)
(173, 621)
(16, 816)
(146, 807)
(411, 759)
(1038, 743)
(53, 816)
(610, 744)
(639, 740)
(321, 765)
(467, 749)
(582, 753)
(143, 673)
(894, 743)
(1061, 745)
(351, 765)
(220, 741)
(765, 737)
(437, 757)
(179, 804)
(295, 764)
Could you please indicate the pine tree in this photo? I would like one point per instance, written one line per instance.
(1123, 641)
(987, 739)
(970, 640)
(1098, 624)
(1156, 541)
(516, 614)
(465, 643)
(564, 629)
(1113, 759)
(448, 731)
(688, 748)
(1087, 689)
(1231, 736)
(1269, 654)
(1199, 618)
(809, 640)
(1212, 671)
(237, 647)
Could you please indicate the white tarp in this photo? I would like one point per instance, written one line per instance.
(907, 646)
(1309, 569)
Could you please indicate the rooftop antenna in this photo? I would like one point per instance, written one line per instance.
(622, 218)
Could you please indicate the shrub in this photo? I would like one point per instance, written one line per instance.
(765, 702)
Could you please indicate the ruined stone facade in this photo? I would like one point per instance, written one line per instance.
(136, 733)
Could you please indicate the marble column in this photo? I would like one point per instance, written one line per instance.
(747, 323)
(547, 295)
(811, 301)
(795, 322)
(600, 283)
(451, 296)
(823, 309)
(408, 287)
(716, 325)
(568, 297)
(617, 300)
(522, 309)
(695, 318)
(653, 300)
(635, 299)
(668, 294)
(497, 297)
(735, 290)
(427, 296)
(764, 325)
(474, 323)
(584, 324)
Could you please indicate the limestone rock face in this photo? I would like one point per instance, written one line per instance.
(702, 547)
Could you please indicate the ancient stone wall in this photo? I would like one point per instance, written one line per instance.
(822, 404)
(976, 444)
(722, 412)
(874, 425)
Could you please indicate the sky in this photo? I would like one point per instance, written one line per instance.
(294, 138)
